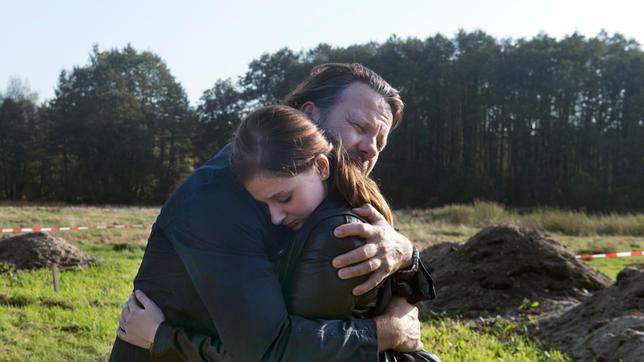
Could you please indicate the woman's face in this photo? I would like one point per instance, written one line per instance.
(291, 199)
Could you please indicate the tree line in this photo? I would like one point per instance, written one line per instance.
(525, 122)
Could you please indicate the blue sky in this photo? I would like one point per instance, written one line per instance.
(202, 41)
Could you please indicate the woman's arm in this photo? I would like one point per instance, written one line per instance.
(313, 288)
(385, 253)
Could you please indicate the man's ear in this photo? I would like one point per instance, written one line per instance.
(322, 166)
(310, 109)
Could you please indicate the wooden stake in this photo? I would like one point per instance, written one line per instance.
(54, 272)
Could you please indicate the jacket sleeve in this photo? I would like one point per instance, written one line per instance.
(313, 288)
(416, 286)
(176, 343)
(224, 253)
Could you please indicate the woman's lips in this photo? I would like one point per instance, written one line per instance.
(293, 224)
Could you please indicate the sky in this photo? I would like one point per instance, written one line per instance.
(203, 41)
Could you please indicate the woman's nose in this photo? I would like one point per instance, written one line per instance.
(277, 215)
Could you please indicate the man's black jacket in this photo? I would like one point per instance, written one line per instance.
(210, 265)
(312, 289)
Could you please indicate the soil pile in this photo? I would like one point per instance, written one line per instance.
(607, 326)
(41, 249)
(508, 271)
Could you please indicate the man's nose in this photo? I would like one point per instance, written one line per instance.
(368, 148)
(277, 215)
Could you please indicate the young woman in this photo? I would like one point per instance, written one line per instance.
(309, 184)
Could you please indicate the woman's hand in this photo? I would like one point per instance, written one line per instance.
(137, 325)
(385, 252)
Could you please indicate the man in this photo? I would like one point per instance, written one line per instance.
(210, 260)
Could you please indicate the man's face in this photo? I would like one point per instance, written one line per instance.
(362, 120)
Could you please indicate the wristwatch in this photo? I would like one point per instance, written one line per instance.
(413, 268)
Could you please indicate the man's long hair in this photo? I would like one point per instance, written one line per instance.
(326, 83)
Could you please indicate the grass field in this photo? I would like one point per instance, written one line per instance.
(78, 324)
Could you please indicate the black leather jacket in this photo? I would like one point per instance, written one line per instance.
(312, 290)
(211, 266)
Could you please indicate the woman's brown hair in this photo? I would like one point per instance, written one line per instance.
(283, 141)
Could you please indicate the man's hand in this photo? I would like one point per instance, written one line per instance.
(385, 252)
(137, 325)
(399, 328)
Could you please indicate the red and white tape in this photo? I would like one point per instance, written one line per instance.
(75, 228)
(147, 226)
(611, 255)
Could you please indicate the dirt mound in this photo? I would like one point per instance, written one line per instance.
(607, 326)
(508, 271)
(38, 250)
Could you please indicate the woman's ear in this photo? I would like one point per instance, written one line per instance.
(322, 166)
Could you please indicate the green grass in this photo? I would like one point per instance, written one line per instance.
(78, 324)
(61, 215)
(611, 267)
(580, 232)
(599, 243)
(454, 340)
(549, 220)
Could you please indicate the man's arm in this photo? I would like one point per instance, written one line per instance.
(398, 329)
(229, 266)
(394, 328)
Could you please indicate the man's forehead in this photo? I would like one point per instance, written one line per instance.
(361, 102)
(380, 119)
